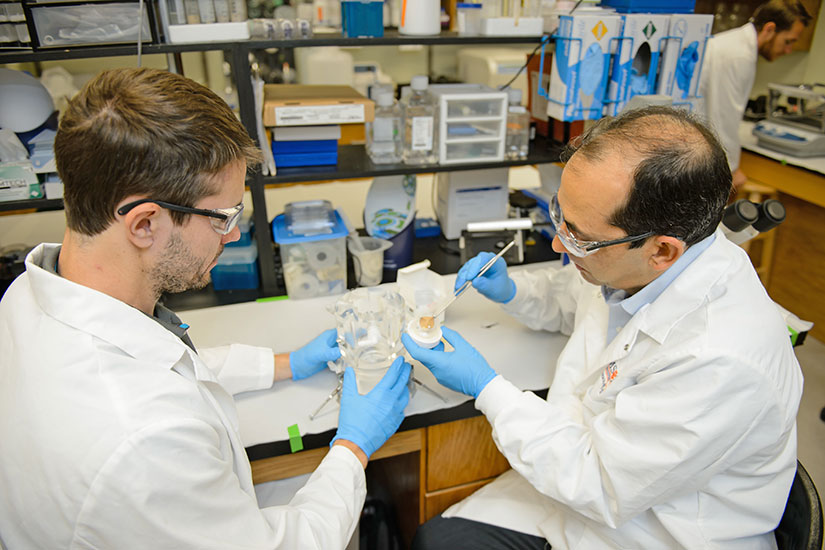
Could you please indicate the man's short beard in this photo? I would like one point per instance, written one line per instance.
(179, 270)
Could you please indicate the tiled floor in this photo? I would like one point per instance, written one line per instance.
(810, 428)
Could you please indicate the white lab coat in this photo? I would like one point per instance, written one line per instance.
(680, 433)
(115, 434)
(728, 72)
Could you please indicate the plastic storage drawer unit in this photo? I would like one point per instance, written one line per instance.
(87, 24)
(237, 268)
(314, 264)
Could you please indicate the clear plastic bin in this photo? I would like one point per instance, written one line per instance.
(314, 265)
(472, 107)
(237, 268)
(476, 151)
(89, 24)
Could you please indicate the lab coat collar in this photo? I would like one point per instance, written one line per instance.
(101, 315)
(691, 288)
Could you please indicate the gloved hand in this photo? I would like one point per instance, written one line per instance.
(463, 370)
(369, 420)
(494, 284)
(313, 357)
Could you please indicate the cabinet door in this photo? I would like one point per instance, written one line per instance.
(437, 502)
(461, 452)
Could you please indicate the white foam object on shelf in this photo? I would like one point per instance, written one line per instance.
(208, 32)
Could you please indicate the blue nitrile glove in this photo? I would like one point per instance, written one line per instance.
(685, 67)
(369, 420)
(463, 370)
(313, 357)
(495, 283)
(591, 69)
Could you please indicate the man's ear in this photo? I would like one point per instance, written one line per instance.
(767, 31)
(665, 252)
(142, 223)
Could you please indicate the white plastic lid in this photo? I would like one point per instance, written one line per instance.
(514, 95)
(384, 98)
(419, 82)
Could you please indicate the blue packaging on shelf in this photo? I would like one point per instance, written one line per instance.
(305, 146)
(362, 18)
(651, 6)
(237, 268)
(305, 159)
(247, 228)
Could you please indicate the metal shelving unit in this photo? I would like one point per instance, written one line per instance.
(353, 161)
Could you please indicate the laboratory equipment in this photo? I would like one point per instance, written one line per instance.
(796, 120)
(493, 67)
(26, 103)
(312, 238)
(368, 258)
(470, 196)
(420, 130)
(424, 293)
(237, 268)
(517, 142)
(472, 123)
(460, 290)
(369, 322)
(384, 139)
(743, 219)
(389, 213)
(482, 236)
(420, 17)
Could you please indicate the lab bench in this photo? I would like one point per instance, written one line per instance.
(797, 263)
(443, 450)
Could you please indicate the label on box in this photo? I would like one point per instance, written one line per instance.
(299, 115)
(19, 182)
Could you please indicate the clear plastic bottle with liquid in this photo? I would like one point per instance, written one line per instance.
(420, 124)
(384, 140)
(517, 141)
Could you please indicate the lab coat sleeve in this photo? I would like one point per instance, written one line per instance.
(169, 487)
(727, 83)
(239, 367)
(546, 299)
(667, 435)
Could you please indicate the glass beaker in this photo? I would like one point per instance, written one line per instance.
(369, 323)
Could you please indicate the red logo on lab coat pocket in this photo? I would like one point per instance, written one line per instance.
(608, 374)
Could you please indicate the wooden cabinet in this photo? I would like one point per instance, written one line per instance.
(460, 458)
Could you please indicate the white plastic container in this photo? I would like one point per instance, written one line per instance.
(324, 65)
(472, 123)
(420, 17)
(468, 18)
(368, 259)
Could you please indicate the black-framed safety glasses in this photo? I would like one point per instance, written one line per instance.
(223, 220)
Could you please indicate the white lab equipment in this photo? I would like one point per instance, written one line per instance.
(472, 123)
(470, 196)
(796, 120)
(420, 17)
(25, 103)
(493, 67)
(743, 220)
(424, 292)
(324, 65)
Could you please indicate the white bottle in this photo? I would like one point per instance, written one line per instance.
(517, 141)
(384, 144)
(420, 129)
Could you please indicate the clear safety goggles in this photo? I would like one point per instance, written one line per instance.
(578, 247)
(223, 220)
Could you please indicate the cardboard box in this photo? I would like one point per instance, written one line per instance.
(636, 63)
(305, 105)
(683, 56)
(581, 64)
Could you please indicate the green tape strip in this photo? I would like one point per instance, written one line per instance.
(794, 336)
(295, 442)
(272, 299)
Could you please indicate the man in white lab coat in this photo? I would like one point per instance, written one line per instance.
(670, 422)
(729, 68)
(116, 432)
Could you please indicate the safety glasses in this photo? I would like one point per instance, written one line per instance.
(223, 220)
(578, 247)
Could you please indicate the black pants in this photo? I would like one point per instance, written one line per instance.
(463, 534)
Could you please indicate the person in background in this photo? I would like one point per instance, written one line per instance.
(116, 431)
(729, 68)
(671, 419)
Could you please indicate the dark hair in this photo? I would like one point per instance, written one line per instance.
(782, 12)
(681, 182)
(144, 132)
